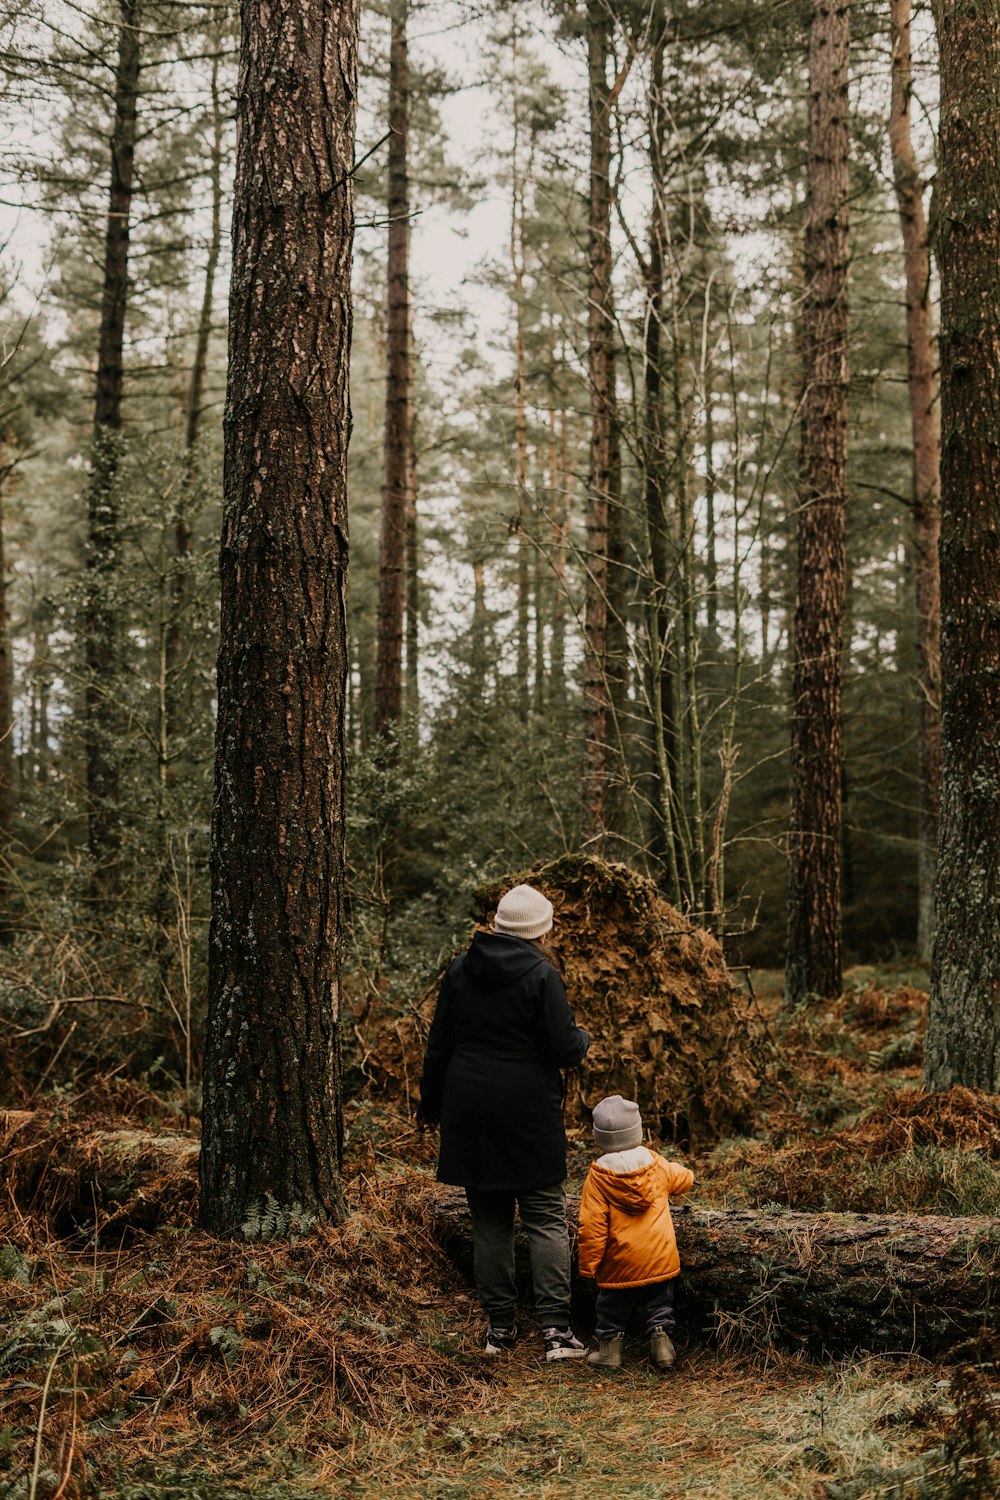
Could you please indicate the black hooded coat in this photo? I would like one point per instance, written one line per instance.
(501, 1032)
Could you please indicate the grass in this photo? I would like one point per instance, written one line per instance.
(713, 1428)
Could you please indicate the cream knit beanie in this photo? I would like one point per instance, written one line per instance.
(523, 913)
(617, 1124)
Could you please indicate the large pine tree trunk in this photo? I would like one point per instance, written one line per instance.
(813, 962)
(598, 727)
(963, 1023)
(100, 619)
(925, 421)
(398, 469)
(272, 1105)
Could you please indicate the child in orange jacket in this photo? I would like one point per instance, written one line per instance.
(627, 1240)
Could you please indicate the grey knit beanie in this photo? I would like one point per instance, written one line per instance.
(617, 1124)
(524, 913)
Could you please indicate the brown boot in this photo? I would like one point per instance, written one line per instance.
(661, 1350)
(608, 1353)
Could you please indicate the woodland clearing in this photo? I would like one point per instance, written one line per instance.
(304, 1359)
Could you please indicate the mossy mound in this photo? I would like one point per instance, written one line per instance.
(668, 1027)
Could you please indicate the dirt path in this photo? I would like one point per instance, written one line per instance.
(715, 1429)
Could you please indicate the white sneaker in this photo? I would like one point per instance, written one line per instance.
(562, 1343)
(499, 1340)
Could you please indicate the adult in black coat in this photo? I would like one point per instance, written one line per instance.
(501, 1033)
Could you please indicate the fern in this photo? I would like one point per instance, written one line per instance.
(269, 1220)
(33, 1339)
(228, 1342)
(14, 1266)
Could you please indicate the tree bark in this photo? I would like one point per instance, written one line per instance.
(814, 956)
(598, 726)
(925, 420)
(273, 1104)
(711, 560)
(539, 586)
(520, 420)
(100, 622)
(561, 483)
(398, 468)
(6, 732)
(412, 699)
(478, 634)
(663, 832)
(963, 1024)
(830, 1283)
(41, 673)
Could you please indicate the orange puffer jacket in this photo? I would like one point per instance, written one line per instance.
(626, 1232)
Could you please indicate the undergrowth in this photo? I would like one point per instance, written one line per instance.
(142, 1358)
(134, 1350)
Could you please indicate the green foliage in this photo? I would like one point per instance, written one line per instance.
(229, 1342)
(269, 1220)
(35, 1336)
(15, 1265)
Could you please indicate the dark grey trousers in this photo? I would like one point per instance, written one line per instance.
(543, 1218)
(654, 1305)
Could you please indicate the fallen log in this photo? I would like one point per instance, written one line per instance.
(829, 1283)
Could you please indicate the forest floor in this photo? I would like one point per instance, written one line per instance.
(142, 1358)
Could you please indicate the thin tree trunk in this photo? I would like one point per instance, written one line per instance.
(478, 634)
(399, 398)
(764, 586)
(963, 1024)
(598, 718)
(175, 575)
(617, 636)
(540, 591)
(100, 623)
(814, 956)
(559, 543)
(663, 840)
(199, 367)
(711, 563)
(925, 419)
(41, 672)
(689, 760)
(181, 529)
(6, 735)
(273, 1113)
(412, 575)
(520, 409)
(412, 608)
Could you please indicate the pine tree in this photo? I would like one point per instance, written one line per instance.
(925, 421)
(101, 625)
(963, 1022)
(813, 960)
(602, 671)
(272, 1104)
(398, 480)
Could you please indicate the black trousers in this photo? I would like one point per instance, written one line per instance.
(616, 1306)
(543, 1219)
